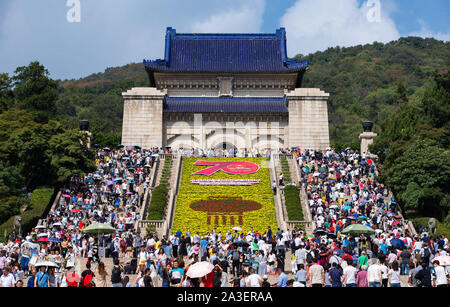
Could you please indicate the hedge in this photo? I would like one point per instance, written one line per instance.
(292, 202)
(291, 194)
(40, 203)
(441, 229)
(285, 169)
(160, 193)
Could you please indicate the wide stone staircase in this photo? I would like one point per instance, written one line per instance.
(162, 226)
(307, 224)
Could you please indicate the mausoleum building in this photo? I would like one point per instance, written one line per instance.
(226, 90)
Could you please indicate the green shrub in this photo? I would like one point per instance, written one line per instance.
(40, 203)
(285, 169)
(441, 229)
(160, 194)
(292, 202)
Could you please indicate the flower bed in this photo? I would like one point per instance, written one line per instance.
(224, 200)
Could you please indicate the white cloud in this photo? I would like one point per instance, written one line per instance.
(426, 32)
(111, 32)
(315, 25)
(244, 19)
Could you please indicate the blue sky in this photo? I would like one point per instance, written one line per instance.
(115, 32)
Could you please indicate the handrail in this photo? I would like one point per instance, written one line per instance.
(277, 199)
(172, 197)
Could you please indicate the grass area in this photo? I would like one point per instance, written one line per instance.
(291, 194)
(285, 169)
(40, 203)
(160, 193)
(293, 205)
(441, 229)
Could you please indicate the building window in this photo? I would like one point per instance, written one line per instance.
(225, 86)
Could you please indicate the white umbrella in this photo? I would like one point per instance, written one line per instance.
(46, 263)
(200, 269)
(57, 224)
(237, 228)
(44, 234)
(40, 227)
(443, 260)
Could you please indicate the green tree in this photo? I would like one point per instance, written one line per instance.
(69, 155)
(6, 94)
(35, 92)
(436, 101)
(421, 176)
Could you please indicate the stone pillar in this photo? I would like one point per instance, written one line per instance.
(84, 127)
(367, 137)
(308, 119)
(143, 117)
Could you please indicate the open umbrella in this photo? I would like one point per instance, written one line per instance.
(443, 260)
(323, 176)
(75, 211)
(56, 240)
(358, 229)
(237, 228)
(320, 231)
(346, 208)
(57, 224)
(362, 217)
(391, 214)
(42, 235)
(66, 196)
(200, 269)
(43, 239)
(46, 264)
(322, 170)
(397, 243)
(397, 217)
(241, 243)
(99, 228)
(40, 227)
(331, 235)
(395, 223)
(110, 182)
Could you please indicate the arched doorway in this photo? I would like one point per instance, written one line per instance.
(225, 146)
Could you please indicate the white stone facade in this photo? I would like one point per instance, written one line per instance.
(146, 124)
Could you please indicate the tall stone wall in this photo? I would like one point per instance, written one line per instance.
(308, 119)
(143, 117)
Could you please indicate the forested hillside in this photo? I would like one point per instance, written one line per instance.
(363, 82)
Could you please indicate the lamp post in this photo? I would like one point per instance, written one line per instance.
(367, 136)
(84, 127)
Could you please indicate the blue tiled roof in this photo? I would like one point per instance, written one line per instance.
(225, 105)
(225, 53)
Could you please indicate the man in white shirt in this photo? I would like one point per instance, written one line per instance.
(374, 275)
(7, 279)
(439, 274)
(253, 280)
(349, 277)
(300, 254)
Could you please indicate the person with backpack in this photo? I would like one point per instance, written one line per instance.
(87, 277)
(236, 265)
(424, 276)
(72, 279)
(116, 275)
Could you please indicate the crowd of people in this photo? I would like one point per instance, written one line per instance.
(342, 190)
